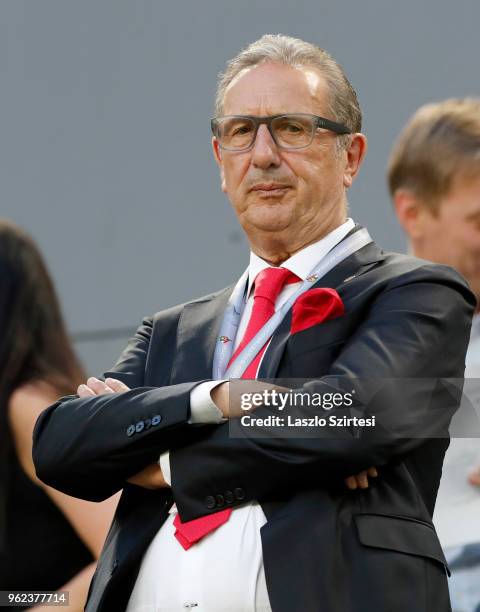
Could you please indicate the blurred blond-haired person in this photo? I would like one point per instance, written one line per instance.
(434, 181)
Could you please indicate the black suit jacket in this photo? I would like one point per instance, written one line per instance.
(325, 548)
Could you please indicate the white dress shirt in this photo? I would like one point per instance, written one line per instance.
(223, 572)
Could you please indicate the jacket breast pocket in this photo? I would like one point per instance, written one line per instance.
(335, 331)
(314, 363)
(311, 352)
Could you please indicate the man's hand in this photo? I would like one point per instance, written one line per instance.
(150, 477)
(361, 480)
(221, 397)
(97, 387)
(229, 401)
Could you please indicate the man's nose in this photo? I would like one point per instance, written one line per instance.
(265, 152)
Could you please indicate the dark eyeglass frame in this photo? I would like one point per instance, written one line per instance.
(320, 122)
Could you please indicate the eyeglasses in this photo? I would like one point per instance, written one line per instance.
(292, 131)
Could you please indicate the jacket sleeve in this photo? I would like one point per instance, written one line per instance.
(88, 447)
(417, 327)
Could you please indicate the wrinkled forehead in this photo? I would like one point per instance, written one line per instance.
(271, 89)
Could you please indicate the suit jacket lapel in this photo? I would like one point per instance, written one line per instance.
(354, 265)
(200, 322)
(198, 329)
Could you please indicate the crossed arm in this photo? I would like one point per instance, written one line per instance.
(151, 477)
(416, 327)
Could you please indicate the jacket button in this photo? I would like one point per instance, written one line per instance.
(139, 426)
(130, 430)
(210, 502)
(229, 498)
(220, 501)
(148, 423)
(239, 493)
(156, 419)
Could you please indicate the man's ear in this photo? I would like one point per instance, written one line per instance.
(217, 153)
(355, 152)
(412, 213)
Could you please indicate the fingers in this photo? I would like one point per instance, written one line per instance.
(351, 482)
(360, 481)
(84, 391)
(97, 387)
(117, 385)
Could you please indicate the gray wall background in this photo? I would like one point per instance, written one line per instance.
(105, 144)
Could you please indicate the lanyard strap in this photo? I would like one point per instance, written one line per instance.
(236, 303)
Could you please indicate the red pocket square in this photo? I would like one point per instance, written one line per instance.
(315, 306)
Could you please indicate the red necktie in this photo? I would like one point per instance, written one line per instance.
(268, 284)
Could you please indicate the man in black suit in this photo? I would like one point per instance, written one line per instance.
(288, 144)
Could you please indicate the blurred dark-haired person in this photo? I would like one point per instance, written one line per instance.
(48, 540)
(434, 180)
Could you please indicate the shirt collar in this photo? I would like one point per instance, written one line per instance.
(302, 262)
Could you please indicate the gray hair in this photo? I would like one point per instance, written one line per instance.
(343, 104)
